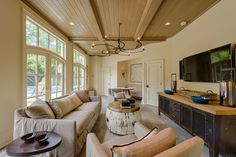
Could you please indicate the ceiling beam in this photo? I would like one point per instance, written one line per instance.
(96, 14)
(160, 38)
(147, 16)
(85, 51)
(83, 39)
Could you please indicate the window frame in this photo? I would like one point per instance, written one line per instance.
(27, 49)
(28, 18)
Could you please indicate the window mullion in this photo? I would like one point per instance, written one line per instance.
(56, 78)
(36, 79)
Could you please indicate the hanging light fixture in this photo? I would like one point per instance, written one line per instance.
(120, 48)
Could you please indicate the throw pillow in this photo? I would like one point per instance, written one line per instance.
(39, 110)
(119, 95)
(148, 146)
(75, 100)
(83, 95)
(65, 105)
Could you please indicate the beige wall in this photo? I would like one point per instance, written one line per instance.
(95, 74)
(214, 28)
(11, 63)
(124, 67)
(10, 66)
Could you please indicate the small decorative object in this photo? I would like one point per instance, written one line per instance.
(170, 92)
(200, 99)
(173, 82)
(125, 104)
(132, 101)
(29, 137)
(41, 138)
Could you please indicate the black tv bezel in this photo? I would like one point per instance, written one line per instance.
(232, 50)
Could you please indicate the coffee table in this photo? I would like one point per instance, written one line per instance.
(18, 147)
(121, 121)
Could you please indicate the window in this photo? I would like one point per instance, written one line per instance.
(56, 78)
(79, 79)
(36, 71)
(38, 36)
(45, 63)
(31, 33)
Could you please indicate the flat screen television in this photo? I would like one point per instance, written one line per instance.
(211, 66)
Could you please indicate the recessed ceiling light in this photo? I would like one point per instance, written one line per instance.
(183, 23)
(167, 23)
(71, 23)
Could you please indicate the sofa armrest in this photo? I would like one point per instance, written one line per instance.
(93, 147)
(65, 128)
(95, 98)
(140, 130)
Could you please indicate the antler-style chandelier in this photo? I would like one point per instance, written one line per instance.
(120, 48)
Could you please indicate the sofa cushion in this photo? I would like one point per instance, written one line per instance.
(147, 147)
(83, 95)
(39, 110)
(63, 106)
(82, 119)
(94, 107)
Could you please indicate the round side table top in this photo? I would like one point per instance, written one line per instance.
(115, 106)
(18, 147)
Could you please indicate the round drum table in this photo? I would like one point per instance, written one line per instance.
(121, 121)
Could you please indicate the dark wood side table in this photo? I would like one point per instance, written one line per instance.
(18, 147)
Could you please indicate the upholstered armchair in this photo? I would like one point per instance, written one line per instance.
(162, 144)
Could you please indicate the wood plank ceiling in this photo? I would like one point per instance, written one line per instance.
(145, 19)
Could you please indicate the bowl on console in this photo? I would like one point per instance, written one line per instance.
(200, 99)
(170, 92)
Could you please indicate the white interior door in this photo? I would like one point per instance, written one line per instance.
(154, 81)
(106, 79)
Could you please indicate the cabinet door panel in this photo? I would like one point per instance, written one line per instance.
(199, 123)
(186, 117)
(174, 110)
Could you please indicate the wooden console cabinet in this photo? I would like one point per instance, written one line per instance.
(213, 123)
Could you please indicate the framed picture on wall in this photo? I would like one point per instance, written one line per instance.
(136, 73)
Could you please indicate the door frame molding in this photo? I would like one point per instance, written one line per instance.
(144, 94)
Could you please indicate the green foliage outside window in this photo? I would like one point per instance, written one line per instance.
(43, 39)
(31, 33)
(36, 36)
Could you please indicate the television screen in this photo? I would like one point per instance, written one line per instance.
(210, 66)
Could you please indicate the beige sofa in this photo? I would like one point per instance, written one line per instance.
(161, 144)
(73, 127)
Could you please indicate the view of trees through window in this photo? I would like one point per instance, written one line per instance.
(36, 70)
(79, 71)
(38, 36)
(44, 82)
